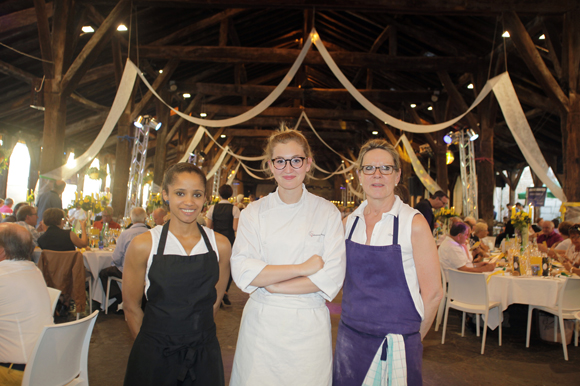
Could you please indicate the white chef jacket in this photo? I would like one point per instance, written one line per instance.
(286, 340)
(271, 232)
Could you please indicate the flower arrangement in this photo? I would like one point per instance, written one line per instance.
(148, 178)
(88, 203)
(30, 197)
(445, 213)
(155, 201)
(521, 220)
(96, 174)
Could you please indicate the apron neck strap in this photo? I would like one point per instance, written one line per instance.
(395, 229)
(165, 231)
(163, 239)
(353, 226)
(205, 238)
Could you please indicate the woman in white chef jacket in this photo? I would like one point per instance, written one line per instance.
(289, 254)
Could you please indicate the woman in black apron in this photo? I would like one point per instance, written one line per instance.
(177, 268)
(392, 287)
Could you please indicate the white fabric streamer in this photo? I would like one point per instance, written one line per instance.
(425, 178)
(250, 113)
(194, 142)
(218, 163)
(121, 98)
(233, 175)
(516, 120)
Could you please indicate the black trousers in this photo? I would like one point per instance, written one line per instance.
(115, 290)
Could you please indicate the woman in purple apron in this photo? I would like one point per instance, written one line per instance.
(392, 287)
(184, 279)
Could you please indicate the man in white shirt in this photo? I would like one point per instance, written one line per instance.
(26, 217)
(25, 306)
(454, 253)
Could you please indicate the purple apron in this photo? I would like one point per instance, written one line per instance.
(376, 301)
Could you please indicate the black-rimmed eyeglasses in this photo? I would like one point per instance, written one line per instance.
(280, 163)
(385, 170)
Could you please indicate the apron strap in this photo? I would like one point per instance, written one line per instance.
(163, 239)
(396, 230)
(205, 238)
(352, 229)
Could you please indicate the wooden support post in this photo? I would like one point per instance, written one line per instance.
(9, 143)
(34, 152)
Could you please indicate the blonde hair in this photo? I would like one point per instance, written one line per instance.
(286, 135)
(382, 144)
(480, 226)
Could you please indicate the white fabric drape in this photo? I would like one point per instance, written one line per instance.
(233, 175)
(218, 163)
(425, 178)
(121, 98)
(193, 144)
(501, 85)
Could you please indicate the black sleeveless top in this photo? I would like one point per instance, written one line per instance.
(56, 239)
(223, 220)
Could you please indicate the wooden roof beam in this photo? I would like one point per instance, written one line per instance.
(260, 91)
(159, 82)
(276, 55)
(533, 60)
(22, 18)
(10, 70)
(44, 37)
(197, 26)
(94, 46)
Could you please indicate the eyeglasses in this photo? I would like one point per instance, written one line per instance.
(385, 170)
(280, 163)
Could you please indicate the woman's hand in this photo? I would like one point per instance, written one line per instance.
(312, 265)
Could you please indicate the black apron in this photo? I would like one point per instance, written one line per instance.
(177, 343)
(223, 220)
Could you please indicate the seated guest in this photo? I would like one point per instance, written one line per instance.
(548, 236)
(26, 217)
(572, 256)
(138, 218)
(240, 201)
(12, 217)
(107, 214)
(454, 253)
(478, 232)
(7, 207)
(470, 221)
(563, 245)
(477, 252)
(57, 239)
(159, 216)
(25, 306)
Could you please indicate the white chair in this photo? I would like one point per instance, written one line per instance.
(567, 307)
(468, 293)
(61, 354)
(441, 309)
(120, 281)
(54, 295)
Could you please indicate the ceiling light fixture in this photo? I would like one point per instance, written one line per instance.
(87, 29)
(222, 136)
(470, 86)
(187, 95)
(413, 105)
(122, 28)
(506, 34)
(542, 37)
(161, 71)
(430, 108)
(375, 133)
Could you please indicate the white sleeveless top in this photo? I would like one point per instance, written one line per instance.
(174, 247)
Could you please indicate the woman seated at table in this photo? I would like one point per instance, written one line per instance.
(478, 232)
(57, 239)
(571, 259)
(477, 252)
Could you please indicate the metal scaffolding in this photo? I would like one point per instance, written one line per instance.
(138, 159)
(468, 175)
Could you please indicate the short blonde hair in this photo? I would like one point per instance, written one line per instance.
(284, 136)
(382, 144)
(480, 226)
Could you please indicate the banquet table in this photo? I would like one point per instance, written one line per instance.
(95, 261)
(507, 289)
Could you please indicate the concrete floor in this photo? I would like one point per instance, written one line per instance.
(457, 362)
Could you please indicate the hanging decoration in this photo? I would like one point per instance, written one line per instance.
(501, 86)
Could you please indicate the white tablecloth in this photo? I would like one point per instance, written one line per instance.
(536, 290)
(95, 261)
